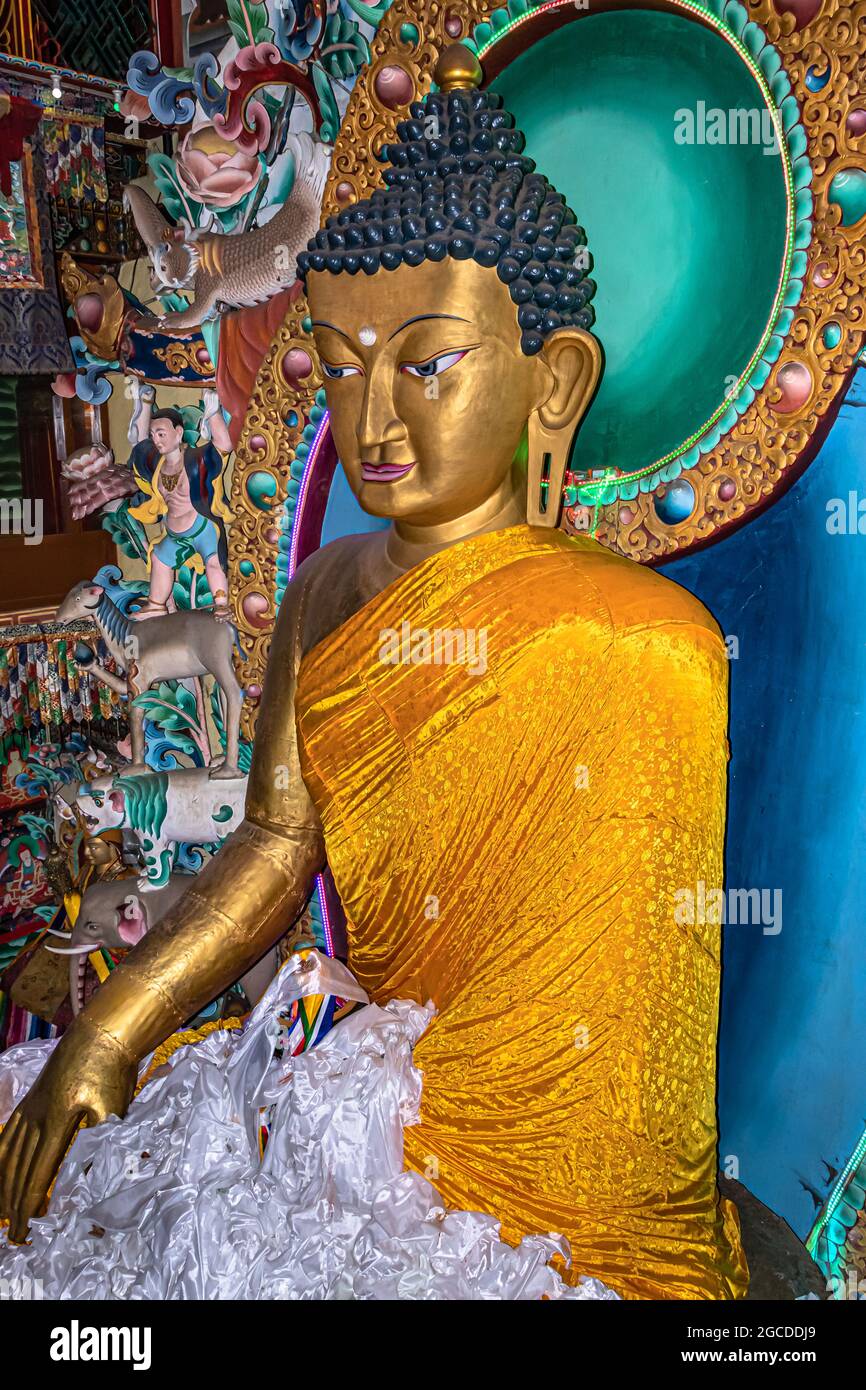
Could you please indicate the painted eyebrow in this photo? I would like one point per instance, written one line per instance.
(419, 318)
(323, 323)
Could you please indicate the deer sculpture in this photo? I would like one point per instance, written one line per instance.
(190, 642)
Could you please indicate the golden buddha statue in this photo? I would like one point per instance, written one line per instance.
(507, 833)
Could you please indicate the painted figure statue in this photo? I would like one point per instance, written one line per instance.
(178, 485)
(234, 270)
(507, 834)
(160, 809)
(182, 487)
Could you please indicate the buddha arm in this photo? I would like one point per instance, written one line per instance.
(244, 899)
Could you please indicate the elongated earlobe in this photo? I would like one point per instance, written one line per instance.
(574, 359)
(548, 459)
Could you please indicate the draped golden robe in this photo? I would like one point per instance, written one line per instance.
(508, 841)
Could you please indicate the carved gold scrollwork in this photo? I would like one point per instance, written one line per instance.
(182, 356)
(767, 448)
(78, 286)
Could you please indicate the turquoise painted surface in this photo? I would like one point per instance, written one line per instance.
(685, 288)
(343, 516)
(848, 191)
(792, 1098)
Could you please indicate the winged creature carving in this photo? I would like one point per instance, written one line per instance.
(231, 271)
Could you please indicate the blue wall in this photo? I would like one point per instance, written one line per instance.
(343, 516)
(792, 1096)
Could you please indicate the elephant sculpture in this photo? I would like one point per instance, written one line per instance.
(116, 913)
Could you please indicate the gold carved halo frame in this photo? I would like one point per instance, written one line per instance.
(767, 446)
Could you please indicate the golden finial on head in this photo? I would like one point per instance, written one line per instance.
(457, 69)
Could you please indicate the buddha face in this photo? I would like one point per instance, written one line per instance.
(428, 389)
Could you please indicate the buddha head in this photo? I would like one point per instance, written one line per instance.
(451, 314)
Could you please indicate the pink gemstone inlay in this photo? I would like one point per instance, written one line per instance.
(794, 380)
(823, 275)
(254, 608)
(296, 365)
(89, 311)
(394, 87)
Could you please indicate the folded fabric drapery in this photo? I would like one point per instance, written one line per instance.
(508, 832)
(175, 1202)
(18, 120)
(43, 687)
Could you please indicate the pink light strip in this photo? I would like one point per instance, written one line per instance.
(302, 494)
(326, 921)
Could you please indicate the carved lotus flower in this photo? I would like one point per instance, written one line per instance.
(213, 170)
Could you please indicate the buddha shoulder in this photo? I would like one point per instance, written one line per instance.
(328, 587)
(631, 595)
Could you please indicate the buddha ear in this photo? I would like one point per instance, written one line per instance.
(573, 359)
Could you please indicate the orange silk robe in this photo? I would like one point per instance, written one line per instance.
(508, 841)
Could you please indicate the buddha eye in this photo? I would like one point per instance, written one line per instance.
(337, 373)
(436, 365)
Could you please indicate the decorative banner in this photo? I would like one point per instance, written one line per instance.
(18, 120)
(75, 157)
(44, 687)
(20, 248)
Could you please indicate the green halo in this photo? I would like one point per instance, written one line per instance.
(692, 304)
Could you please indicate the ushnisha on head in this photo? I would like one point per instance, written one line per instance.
(467, 191)
(482, 285)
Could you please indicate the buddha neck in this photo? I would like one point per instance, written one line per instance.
(408, 544)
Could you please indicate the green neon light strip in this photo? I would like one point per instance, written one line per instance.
(689, 7)
(833, 1201)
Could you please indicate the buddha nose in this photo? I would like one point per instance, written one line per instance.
(379, 428)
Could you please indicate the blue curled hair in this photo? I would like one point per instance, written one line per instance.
(459, 185)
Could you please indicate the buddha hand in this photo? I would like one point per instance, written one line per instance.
(88, 1077)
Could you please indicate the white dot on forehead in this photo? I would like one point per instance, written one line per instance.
(367, 336)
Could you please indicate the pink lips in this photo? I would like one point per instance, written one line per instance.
(384, 472)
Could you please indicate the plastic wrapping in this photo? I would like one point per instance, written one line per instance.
(174, 1201)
